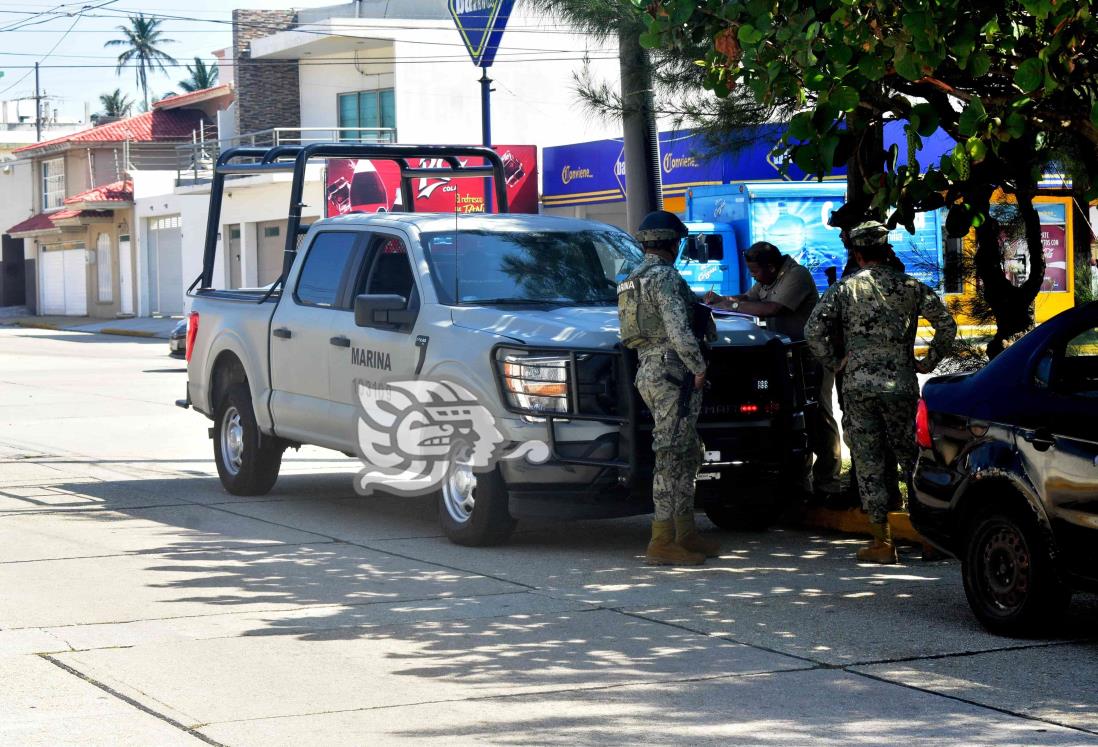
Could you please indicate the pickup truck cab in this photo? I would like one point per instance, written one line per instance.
(516, 312)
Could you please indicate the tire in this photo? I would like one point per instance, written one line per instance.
(1009, 576)
(244, 464)
(745, 518)
(474, 513)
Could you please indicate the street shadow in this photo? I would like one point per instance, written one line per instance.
(97, 338)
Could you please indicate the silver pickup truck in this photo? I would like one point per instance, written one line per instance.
(393, 336)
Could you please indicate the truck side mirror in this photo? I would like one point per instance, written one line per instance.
(383, 311)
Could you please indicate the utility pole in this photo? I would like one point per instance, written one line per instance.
(37, 107)
(486, 128)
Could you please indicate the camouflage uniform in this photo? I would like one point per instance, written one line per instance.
(876, 311)
(656, 294)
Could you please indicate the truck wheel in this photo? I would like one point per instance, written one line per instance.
(749, 518)
(244, 465)
(1009, 577)
(472, 507)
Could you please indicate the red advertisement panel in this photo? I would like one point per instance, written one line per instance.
(366, 186)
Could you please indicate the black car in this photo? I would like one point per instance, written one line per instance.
(177, 340)
(1007, 479)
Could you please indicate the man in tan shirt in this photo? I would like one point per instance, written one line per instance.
(784, 295)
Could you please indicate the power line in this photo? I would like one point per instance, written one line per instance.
(38, 114)
(578, 57)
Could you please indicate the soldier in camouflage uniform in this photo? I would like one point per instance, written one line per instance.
(877, 310)
(655, 308)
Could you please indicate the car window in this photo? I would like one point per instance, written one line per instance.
(325, 268)
(390, 272)
(1077, 372)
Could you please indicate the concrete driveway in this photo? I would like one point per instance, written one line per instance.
(140, 604)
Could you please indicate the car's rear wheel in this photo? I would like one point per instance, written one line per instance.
(472, 507)
(1009, 576)
(245, 464)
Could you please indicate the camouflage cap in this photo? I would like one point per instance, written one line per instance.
(656, 234)
(869, 233)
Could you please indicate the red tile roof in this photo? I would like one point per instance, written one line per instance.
(194, 96)
(171, 124)
(40, 222)
(121, 191)
(65, 215)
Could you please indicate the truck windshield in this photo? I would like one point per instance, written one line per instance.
(554, 267)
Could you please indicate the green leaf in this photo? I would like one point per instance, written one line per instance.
(828, 144)
(872, 67)
(893, 157)
(928, 119)
(976, 148)
(979, 64)
(971, 118)
(845, 97)
(648, 40)
(1015, 124)
(841, 54)
(1029, 75)
(1094, 113)
(749, 35)
(990, 29)
(910, 66)
(800, 127)
(958, 221)
(815, 80)
(805, 157)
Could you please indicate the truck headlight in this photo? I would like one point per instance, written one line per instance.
(536, 383)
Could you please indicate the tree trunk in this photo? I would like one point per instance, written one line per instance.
(644, 191)
(1012, 306)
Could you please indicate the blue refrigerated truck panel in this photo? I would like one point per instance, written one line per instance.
(793, 216)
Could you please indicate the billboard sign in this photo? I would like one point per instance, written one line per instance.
(366, 186)
(481, 24)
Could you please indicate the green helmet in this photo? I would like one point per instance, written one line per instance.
(659, 226)
(869, 233)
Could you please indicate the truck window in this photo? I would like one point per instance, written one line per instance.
(325, 268)
(390, 271)
(565, 267)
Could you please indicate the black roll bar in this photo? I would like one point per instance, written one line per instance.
(294, 159)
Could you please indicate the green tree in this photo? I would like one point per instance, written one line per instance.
(116, 104)
(142, 40)
(202, 76)
(1014, 83)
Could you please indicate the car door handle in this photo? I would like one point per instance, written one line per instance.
(1041, 439)
(282, 332)
(340, 341)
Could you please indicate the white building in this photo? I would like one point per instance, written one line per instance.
(373, 71)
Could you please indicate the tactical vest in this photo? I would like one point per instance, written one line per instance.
(640, 321)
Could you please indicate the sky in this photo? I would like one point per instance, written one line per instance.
(199, 28)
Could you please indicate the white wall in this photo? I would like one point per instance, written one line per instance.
(438, 101)
(16, 193)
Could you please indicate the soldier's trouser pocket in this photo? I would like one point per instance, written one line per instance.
(662, 398)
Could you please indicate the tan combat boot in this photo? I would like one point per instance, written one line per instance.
(880, 550)
(663, 550)
(687, 537)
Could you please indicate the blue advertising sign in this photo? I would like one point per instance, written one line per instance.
(481, 24)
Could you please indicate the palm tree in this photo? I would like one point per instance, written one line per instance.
(142, 40)
(115, 104)
(201, 76)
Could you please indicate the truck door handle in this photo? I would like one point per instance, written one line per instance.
(1041, 439)
(282, 332)
(340, 341)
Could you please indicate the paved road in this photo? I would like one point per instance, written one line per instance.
(140, 604)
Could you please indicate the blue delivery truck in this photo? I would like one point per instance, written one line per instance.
(729, 218)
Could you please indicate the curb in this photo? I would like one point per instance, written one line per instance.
(35, 324)
(120, 331)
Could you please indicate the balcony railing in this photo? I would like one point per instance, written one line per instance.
(193, 162)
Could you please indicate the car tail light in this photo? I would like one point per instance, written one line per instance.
(922, 426)
(192, 332)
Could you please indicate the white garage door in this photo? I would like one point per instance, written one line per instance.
(166, 265)
(63, 279)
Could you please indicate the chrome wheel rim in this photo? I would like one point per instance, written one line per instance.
(1006, 568)
(232, 441)
(458, 492)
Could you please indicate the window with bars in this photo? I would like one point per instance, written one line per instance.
(53, 183)
(366, 109)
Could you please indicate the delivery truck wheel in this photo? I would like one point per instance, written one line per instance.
(472, 507)
(245, 464)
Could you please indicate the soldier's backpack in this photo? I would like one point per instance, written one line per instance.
(638, 322)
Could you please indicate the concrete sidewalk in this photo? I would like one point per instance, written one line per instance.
(157, 327)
